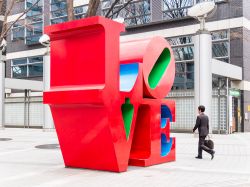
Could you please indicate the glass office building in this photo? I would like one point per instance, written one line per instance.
(144, 18)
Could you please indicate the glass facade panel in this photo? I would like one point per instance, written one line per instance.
(58, 6)
(174, 9)
(180, 40)
(34, 22)
(17, 32)
(179, 81)
(183, 49)
(36, 70)
(59, 20)
(34, 29)
(135, 13)
(180, 67)
(183, 53)
(35, 59)
(219, 35)
(19, 71)
(184, 56)
(19, 61)
(59, 11)
(80, 11)
(27, 67)
(220, 49)
(190, 67)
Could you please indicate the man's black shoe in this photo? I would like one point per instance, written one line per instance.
(198, 157)
(212, 155)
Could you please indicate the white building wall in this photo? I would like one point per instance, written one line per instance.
(14, 112)
(36, 114)
(185, 119)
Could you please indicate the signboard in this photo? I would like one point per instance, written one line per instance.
(248, 108)
(234, 93)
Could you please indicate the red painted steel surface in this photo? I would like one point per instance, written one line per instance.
(100, 123)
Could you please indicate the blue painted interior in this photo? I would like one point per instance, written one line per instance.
(128, 76)
(165, 145)
(166, 113)
(163, 122)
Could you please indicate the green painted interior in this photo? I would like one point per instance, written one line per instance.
(127, 113)
(159, 68)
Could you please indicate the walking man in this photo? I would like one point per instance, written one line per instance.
(202, 123)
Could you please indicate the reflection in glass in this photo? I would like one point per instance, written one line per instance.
(179, 81)
(220, 49)
(180, 67)
(17, 33)
(36, 70)
(59, 20)
(219, 35)
(19, 61)
(34, 22)
(190, 67)
(183, 53)
(180, 40)
(19, 71)
(173, 9)
(135, 13)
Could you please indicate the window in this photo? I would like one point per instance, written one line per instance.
(80, 11)
(180, 40)
(135, 13)
(58, 11)
(216, 1)
(34, 22)
(27, 67)
(174, 9)
(184, 53)
(184, 57)
(183, 49)
(220, 45)
(17, 31)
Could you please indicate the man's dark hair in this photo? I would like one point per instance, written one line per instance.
(201, 108)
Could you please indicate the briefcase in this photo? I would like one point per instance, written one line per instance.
(209, 143)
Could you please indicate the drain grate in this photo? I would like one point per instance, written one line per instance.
(48, 146)
(5, 139)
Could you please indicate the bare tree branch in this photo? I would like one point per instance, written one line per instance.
(7, 29)
(93, 7)
(111, 8)
(1, 6)
(70, 10)
(121, 8)
(4, 28)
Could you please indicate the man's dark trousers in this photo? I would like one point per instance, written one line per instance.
(201, 146)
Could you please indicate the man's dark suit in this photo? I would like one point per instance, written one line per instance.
(202, 123)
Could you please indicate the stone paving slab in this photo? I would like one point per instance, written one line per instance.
(23, 165)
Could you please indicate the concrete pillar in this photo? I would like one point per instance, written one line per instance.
(48, 120)
(2, 90)
(203, 72)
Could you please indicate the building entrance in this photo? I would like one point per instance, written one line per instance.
(235, 122)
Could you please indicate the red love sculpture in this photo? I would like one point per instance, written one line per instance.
(108, 108)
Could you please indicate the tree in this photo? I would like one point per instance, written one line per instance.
(70, 10)
(176, 8)
(93, 8)
(6, 11)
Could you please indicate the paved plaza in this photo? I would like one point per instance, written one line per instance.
(23, 165)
